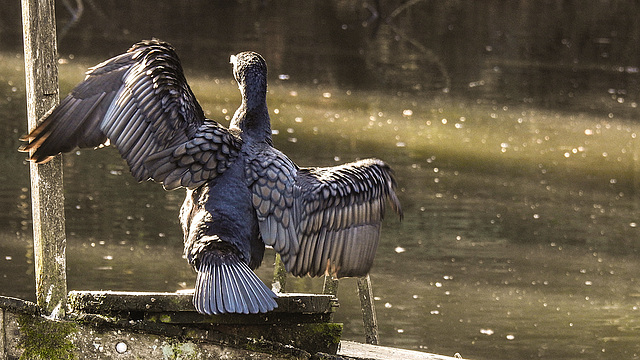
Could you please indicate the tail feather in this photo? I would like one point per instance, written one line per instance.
(226, 284)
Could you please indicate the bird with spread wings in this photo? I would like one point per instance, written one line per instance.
(241, 192)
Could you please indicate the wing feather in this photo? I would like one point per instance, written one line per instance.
(323, 220)
(140, 101)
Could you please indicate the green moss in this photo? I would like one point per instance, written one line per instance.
(308, 338)
(328, 333)
(179, 350)
(45, 339)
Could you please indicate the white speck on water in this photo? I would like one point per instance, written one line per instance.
(486, 332)
(407, 112)
(510, 337)
(388, 305)
(326, 95)
(399, 249)
(284, 77)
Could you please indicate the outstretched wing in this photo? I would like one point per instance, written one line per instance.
(140, 102)
(322, 220)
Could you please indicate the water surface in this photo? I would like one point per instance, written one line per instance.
(516, 154)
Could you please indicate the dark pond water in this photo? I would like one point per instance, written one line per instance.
(512, 127)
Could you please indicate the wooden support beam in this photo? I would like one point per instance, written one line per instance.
(49, 240)
(330, 285)
(279, 276)
(369, 319)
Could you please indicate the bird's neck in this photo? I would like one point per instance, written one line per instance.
(252, 118)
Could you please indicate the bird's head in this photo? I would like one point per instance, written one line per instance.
(250, 71)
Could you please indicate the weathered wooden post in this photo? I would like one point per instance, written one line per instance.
(370, 321)
(49, 240)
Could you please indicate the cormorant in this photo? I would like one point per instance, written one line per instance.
(242, 193)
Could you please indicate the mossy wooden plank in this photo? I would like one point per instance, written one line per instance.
(36, 337)
(192, 317)
(107, 302)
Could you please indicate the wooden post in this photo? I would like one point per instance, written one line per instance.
(330, 285)
(279, 276)
(49, 240)
(365, 290)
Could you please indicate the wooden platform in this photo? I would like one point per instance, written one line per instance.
(124, 325)
(142, 325)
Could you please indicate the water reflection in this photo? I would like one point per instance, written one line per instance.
(518, 178)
